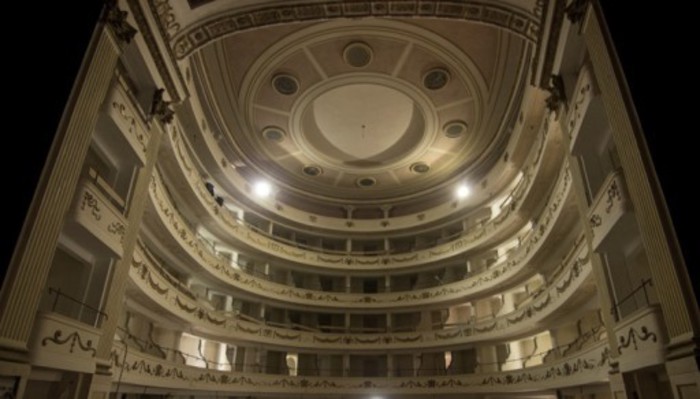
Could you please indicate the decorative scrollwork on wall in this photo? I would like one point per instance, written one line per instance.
(184, 306)
(117, 228)
(578, 107)
(613, 195)
(632, 335)
(89, 201)
(122, 110)
(73, 338)
(326, 340)
(166, 17)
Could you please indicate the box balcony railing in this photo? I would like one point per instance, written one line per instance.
(631, 302)
(76, 309)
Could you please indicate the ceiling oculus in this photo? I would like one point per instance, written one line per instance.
(436, 78)
(365, 182)
(273, 133)
(285, 84)
(419, 168)
(357, 54)
(312, 170)
(455, 129)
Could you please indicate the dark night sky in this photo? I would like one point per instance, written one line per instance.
(41, 73)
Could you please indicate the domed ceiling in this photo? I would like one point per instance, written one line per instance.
(368, 110)
(355, 103)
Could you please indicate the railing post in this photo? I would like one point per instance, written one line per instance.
(55, 300)
(644, 288)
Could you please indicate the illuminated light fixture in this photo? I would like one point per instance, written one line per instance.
(463, 191)
(376, 397)
(262, 189)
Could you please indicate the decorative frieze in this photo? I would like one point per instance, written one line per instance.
(572, 275)
(459, 290)
(587, 367)
(524, 23)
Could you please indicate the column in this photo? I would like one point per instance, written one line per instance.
(668, 271)
(30, 264)
(578, 185)
(114, 294)
(31, 261)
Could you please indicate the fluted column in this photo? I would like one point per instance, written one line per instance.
(31, 262)
(579, 187)
(115, 291)
(668, 270)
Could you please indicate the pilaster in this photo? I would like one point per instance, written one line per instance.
(31, 262)
(115, 292)
(668, 271)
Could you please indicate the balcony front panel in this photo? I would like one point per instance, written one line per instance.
(128, 120)
(578, 106)
(505, 272)
(229, 226)
(641, 339)
(59, 342)
(611, 208)
(163, 206)
(587, 367)
(571, 284)
(97, 220)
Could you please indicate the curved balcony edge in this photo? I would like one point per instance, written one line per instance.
(587, 367)
(252, 238)
(228, 327)
(451, 292)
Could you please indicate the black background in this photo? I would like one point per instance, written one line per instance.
(43, 52)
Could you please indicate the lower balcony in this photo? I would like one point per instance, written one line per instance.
(141, 372)
(640, 339)
(59, 342)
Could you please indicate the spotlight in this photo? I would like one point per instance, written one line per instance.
(262, 189)
(463, 191)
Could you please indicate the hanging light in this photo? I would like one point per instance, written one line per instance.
(262, 189)
(463, 191)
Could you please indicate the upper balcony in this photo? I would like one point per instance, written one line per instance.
(506, 272)
(96, 218)
(127, 118)
(248, 238)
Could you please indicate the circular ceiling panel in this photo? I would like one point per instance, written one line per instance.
(362, 120)
(358, 104)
